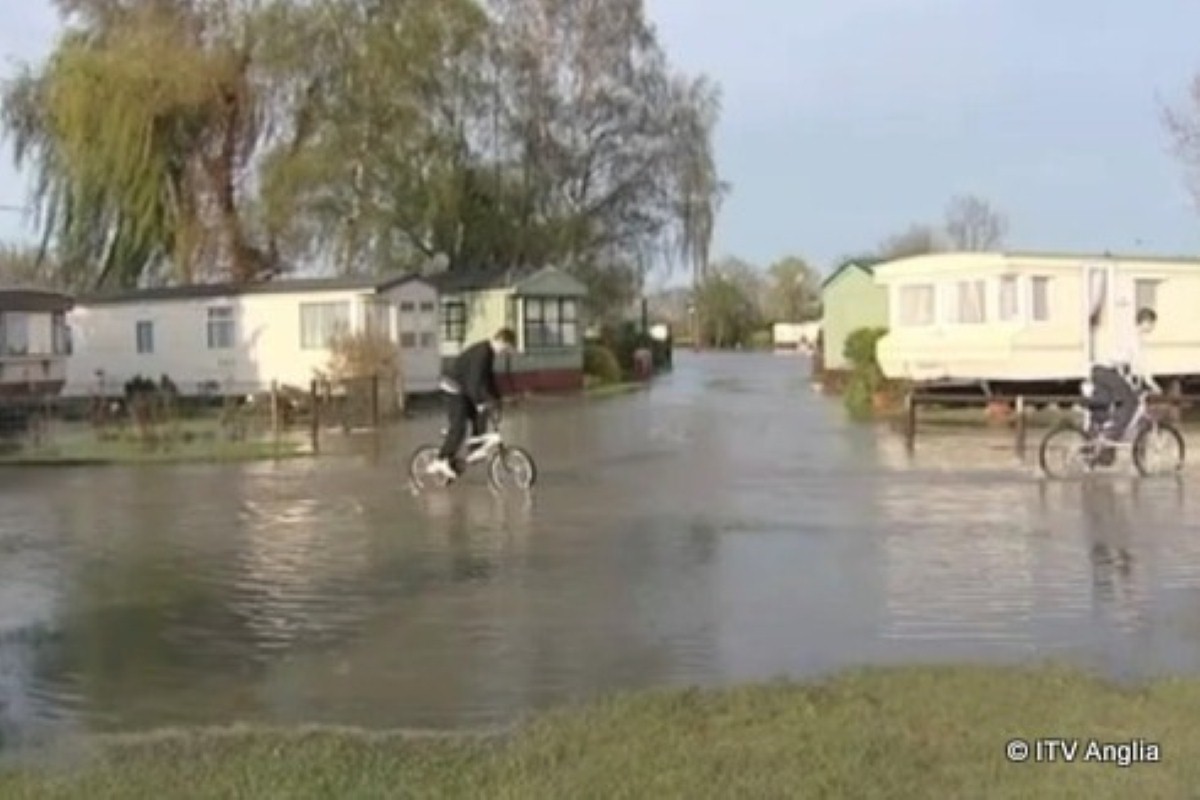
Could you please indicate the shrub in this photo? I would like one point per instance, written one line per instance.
(866, 378)
(601, 363)
(356, 357)
(860, 346)
(761, 340)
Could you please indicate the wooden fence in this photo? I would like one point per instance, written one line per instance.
(1021, 405)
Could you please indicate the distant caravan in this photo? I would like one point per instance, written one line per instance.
(795, 338)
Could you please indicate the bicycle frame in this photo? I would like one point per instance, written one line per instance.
(1140, 420)
(481, 447)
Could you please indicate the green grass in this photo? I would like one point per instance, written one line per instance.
(88, 449)
(921, 732)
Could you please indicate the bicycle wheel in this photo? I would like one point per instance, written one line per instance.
(1065, 452)
(512, 466)
(418, 467)
(1158, 450)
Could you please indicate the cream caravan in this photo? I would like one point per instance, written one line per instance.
(1026, 317)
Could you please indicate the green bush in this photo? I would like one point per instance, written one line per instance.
(860, 345)
(761, 340)
(860, 396)
(866, 377)
(601, 363)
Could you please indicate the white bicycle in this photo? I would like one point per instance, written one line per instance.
(1070, 448)
(507, 464)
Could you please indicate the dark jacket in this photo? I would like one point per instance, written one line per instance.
(473, 374)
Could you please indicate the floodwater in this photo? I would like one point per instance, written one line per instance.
(726, 525)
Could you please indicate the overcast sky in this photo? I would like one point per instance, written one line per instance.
(845, 122)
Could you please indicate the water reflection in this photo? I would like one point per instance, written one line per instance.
(1109, 523)
(725, 525)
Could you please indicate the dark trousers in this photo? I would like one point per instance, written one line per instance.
(1112, 388)
(461, 412)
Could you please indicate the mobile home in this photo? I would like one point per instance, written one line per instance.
(34, 342)
(1033, 317)
(543, 306)
(239, 339)
(851, 299)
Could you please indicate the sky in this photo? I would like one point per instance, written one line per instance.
(846, 122)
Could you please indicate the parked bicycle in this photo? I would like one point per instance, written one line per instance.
(507, 464)
(1157, 446)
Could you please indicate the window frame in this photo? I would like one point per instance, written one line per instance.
(926, 287)
(965, 287)
(309, 339)
(454, 325)
(1004, 314)
(218, 323)
(1048, 282)
(143, 346)
(1155, 284)
(6, 347)
(548, 331)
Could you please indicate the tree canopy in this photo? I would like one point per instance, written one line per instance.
(183, 140)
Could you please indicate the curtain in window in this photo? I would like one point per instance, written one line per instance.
(1008, 298)
(916, 305)
(972, 300)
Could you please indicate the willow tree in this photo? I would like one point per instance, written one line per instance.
(137, 130)
(699, 188)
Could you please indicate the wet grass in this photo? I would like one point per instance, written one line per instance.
(897, 733)
(196, 446)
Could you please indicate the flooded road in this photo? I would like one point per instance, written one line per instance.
(726, 525)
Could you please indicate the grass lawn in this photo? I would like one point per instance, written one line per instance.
(920, 732)
(199, 440)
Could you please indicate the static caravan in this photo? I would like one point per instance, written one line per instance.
(226, 339)
(1033, 317)
(33, 342)
(795, 337)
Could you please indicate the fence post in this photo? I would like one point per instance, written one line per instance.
(1022, 423)
(375, 400)
(910, 420)
(275, 412)
(315, 416)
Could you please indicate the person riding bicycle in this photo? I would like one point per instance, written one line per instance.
(1112, 379)
(470, 388)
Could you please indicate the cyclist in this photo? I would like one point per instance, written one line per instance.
(470, 387)
(1112, 379)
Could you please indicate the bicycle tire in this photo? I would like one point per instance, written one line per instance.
(420, 458)
(1139, 448)
(498, 467)
(1061, 430)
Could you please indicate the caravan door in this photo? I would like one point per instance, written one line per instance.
(1108, 310)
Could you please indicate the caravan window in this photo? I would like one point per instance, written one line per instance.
(915, 307)
(1009, 310)
(1039, 299)
(1146, 294)
(972, 302)
(321, 322)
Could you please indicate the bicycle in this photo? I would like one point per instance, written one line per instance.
(1084, 447)
(503, 460)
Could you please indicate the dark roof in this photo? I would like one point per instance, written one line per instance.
(34, 300)
(474, 279)
(284, 286)
(867, 265)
